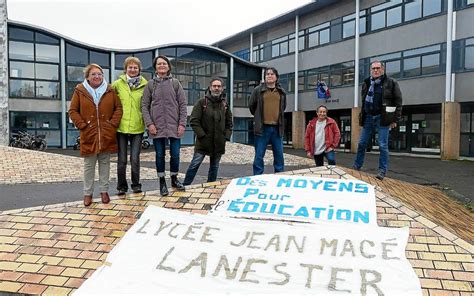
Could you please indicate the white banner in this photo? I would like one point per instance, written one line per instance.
(298, 198)
(173, 252)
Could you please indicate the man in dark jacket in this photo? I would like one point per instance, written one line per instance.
(381, 110)
(211, 121)
(267, 105)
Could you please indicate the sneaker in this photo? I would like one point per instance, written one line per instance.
(380, 175)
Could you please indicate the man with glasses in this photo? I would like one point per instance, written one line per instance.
(211, 121)
(381, 110)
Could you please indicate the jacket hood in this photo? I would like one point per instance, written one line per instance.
(329, 120)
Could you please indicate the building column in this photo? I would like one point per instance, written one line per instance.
(298, 129)
(450, 130)
(355, 128)
(4, 120)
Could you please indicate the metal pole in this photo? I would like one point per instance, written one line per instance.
(449, 51)
(251, 48)
(112, 66)
(231, 91)
(356, 55)
(296, 61)
(63, 94)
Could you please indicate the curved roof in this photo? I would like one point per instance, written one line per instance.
(118, 50)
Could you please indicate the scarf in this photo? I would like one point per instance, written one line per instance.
(96, 93)
(370, 94)
(133, 82)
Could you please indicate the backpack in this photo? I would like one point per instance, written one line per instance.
(175, 83)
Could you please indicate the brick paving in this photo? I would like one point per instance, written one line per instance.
(52, 249)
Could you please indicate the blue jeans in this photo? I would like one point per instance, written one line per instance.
(270, 135)
(370, 125)
(160, 149)
(196, 162)
(330, 155)
(135, 148)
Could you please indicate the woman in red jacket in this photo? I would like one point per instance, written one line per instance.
(322, 137)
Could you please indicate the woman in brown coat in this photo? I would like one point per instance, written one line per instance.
(96, 111)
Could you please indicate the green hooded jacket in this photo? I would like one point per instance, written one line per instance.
(131, 99)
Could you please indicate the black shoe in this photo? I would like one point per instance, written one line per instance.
(355, 168)
(380, 175)
(137, 190)
(176, 184)
(163, 188)
(121, 192)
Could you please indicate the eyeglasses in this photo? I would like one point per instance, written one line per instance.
(96, 74)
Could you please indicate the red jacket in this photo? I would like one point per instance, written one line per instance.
(331, 131)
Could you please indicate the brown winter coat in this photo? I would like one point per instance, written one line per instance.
(97, 126)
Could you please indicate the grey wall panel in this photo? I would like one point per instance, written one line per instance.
(464, 87)
(427, 90)
(238, 45)
(284, 64)
(32, 105)
(241, 112)
(413, 35)
(465, 23)
(327, 55)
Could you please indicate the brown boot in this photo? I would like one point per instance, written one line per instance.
(105, 197)
(87, 200)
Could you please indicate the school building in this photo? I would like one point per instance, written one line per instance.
(427, 45)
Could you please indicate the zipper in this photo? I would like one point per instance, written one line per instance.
(98, 126)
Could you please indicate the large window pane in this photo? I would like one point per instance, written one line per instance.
(431, 7)
(469, 58)
(22, 88)
(313, 39)
(430, 63)
(120, 58)
(42, 38)
(46, 71)
(20, 34)
(283, 48)
(75, 73)
(186, 80)
(394, 16)
(46, 89)
(411, 67)
(183, 66)
(324, 36)
(169, 52)
(22, 70)
(377, 20)
(47, 53)
(412, 10)
(21, 50)
(362, 25)
(393, 69)
(76, 55)
(348, 76)
(202, 82)
(348, 29)
(275, 50)
(147, 60)
(100, 58)
(336, 77)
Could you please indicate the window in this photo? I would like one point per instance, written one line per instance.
(411, 67)
(34, 64)
(412, 10)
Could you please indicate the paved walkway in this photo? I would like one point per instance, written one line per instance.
(52, 249)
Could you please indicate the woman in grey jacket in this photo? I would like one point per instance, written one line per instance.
(164, 112)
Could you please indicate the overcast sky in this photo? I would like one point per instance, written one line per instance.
(137, 24)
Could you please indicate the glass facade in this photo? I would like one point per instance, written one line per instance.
(35, 73)
(33, 64)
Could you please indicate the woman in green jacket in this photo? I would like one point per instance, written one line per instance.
(129, 88)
